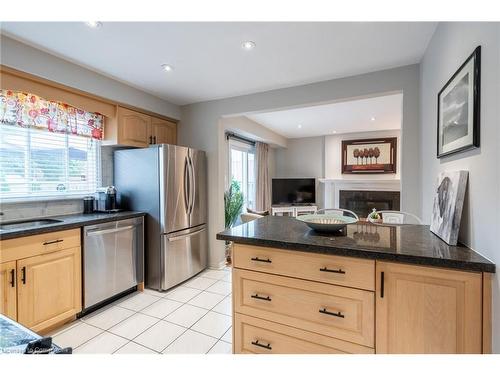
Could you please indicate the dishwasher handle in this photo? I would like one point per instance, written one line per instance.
(97, 232)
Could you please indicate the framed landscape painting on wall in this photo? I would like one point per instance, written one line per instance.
(458, 108)
(369, 156)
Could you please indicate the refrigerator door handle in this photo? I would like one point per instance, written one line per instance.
(192, 185)
(184, 236)
(186, 185)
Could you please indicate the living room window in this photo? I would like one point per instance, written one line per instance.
(242, 169)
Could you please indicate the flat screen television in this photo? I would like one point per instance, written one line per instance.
(293, 191)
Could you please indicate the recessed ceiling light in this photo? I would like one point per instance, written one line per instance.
(167, 68)
(299, 126)
(334, 132)
(372, 119)
(94, 24)
(248, 45)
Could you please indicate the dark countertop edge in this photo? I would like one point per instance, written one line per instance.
(71, 225)
(366, 254)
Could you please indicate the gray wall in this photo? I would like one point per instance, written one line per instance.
(303, 157)
(451, 44)
(31, 60)
(200, 129)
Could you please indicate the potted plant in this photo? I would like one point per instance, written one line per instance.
(233, 203)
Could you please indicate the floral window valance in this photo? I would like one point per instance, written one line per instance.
(28, 110)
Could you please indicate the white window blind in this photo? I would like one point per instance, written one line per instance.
(39, 163)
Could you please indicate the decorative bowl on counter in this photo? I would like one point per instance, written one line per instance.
(326, 222)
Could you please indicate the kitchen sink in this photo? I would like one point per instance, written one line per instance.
(27, 224)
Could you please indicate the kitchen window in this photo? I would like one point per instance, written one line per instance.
(242, 168)
(36, 163)
(47, 149)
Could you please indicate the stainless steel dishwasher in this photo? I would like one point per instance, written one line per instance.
(113, 259)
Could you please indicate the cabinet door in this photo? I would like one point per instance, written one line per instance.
(163, 131)
(427, 310)
(134, 128)
(8, 300)
(49, 288)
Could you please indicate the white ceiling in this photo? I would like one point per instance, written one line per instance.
(209, 62)
(344, 117)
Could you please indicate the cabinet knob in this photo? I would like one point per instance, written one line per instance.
(154, 139)
(150, 139)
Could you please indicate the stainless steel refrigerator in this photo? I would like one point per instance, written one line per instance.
(169, 183)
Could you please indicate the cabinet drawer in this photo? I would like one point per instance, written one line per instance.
(24, 247)
(351, 272)
(257, 336)
(344, 313)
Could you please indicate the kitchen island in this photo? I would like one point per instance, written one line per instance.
(367, 289)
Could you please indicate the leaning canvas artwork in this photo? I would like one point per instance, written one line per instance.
(448, 204)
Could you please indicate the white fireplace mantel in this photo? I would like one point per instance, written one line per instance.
(331, 188)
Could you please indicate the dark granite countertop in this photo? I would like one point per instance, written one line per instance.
(408, 243)
(68, 222)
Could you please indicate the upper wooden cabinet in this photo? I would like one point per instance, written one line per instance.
(132, 128)
(427, 310)
(8, 295)
(163, 131)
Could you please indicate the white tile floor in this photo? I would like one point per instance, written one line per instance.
(194, 318)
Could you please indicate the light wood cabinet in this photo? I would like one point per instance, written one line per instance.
(335, 311)
(257, 336)
(427, 310)
(8, 294)
(297, 302)
(331, 269)
(132, 128)
(49, 288)
(163, 131)
(46, 289)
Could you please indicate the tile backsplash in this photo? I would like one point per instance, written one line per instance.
(32, 209)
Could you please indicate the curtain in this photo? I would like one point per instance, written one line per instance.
(28, 110)
(263, 188)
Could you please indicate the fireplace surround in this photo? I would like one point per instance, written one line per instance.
(362, 202)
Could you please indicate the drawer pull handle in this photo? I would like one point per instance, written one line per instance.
(337, 314)
(257, 343)
(23, 275)
(51, 242)
(12, 278)
(257, 259)
(324, 269)
(256, 296)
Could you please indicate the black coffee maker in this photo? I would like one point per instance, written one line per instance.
(105, 199)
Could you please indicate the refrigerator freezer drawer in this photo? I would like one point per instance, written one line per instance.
(185, 254)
